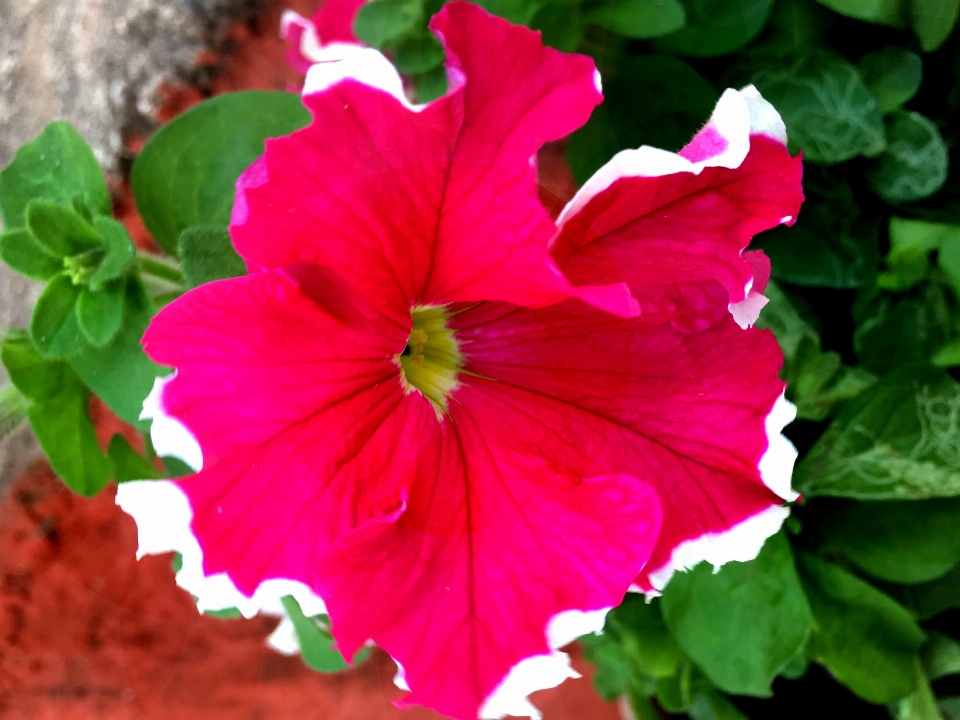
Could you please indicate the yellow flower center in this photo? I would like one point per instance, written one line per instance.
(431, 362)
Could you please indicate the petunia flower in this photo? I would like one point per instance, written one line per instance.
(331, 24)
(459, 428)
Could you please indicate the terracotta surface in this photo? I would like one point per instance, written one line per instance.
(87, 631)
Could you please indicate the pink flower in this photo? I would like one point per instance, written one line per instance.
(460, 428)
(332, 23)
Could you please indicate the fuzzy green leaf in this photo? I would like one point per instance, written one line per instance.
(207, 254)
(100, 313)
(641, 19)
(384, 21)
(53, 324)
(119, 248)
(187, 172)
(61, 230)
(56, 165)
(22, 252)
(128, 464)
(717, 27)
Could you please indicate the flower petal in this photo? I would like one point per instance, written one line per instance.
(332, 23)
(674, 226)
(411, 204)
(696, 416)
(468, 589)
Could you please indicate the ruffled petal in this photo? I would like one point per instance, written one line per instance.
(332, 23)
(674, 226)
(408, 204)
(696, 416)
(471, 589)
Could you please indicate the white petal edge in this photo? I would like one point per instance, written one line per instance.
(737, 115)
(163, 517)
(540, 672)
(284, 638)
(400, 679)
(776, 465)
(740, 543)
(310, 46)
(170, 437)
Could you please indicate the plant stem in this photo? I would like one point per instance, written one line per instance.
(159, 267)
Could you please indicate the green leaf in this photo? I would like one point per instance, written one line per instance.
(892, 331)
(13, 409)
(921, 234)
(35, 377)
(743, 623)
(833, 243)
(829, 112)
(175, 467)
(187, 172)
(120, 373)
(816, 381)
(948, 259)
(914, 164)
(947, 356)
(62, 231)
(933, 20)
(519, 12)
(561, 25)
(900, 541)
(932, 598)
(207, 254)
(920, 704)
(224, 614)
(430, 84)
(119, 248)
(128, 464)
(100, 313)
(710, 705)
(418, 54)
(906, 267)
(897, 440)
(21, 251)
(882, 12)
(893, 75)
(950, 707)
(717, 27)
(941, 656)
(613, 673)
(316, 644)
(649, 646)
(53, 324)
(62, 425)
(641, 19)
(383, 21)
(654, 100)
(641, 707)
(864, 637)
(56, 165)
(674, 693)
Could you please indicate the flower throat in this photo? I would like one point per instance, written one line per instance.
(431, 361)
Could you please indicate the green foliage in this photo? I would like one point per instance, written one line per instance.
(653, 100)
(186, 173)
(24, 253)
(58, 414)
(638, 18)
(128, 464)
(914, 164)
(893, 75)
(57, 166)
(316, 644)
(897, 440)
(933, 20)
(742, 624)
(833, 243)
(864, 637)
(901, 541)
(829, 112)
(882, 12)
(381, 21)
(717, 27)
(13, 409)
(207, 254)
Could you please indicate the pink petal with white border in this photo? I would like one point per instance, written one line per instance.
(674, 226)
(430, 204)
(332, 23)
